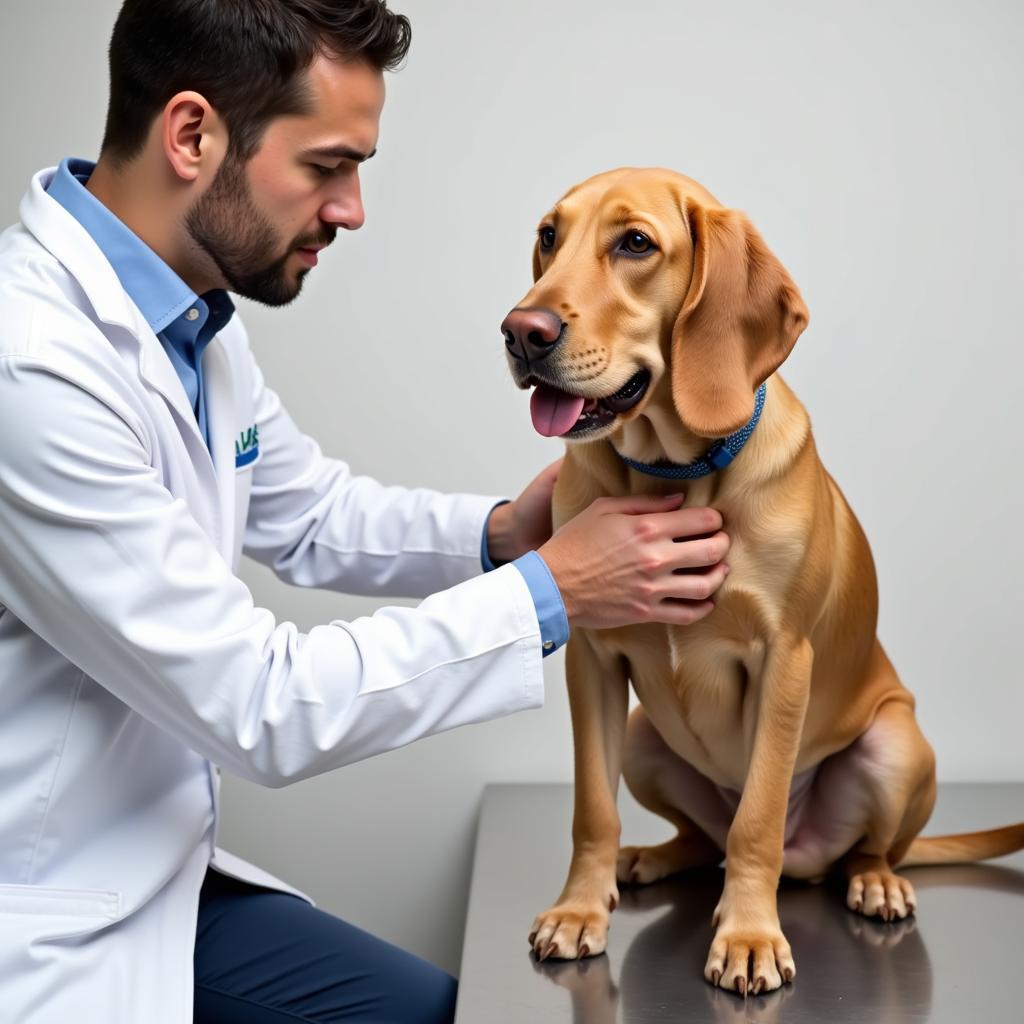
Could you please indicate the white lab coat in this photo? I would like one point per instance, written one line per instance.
(132, 658)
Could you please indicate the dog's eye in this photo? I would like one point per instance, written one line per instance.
(547, 237)
(637, 243)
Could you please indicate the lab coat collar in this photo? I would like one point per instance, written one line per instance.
(74, 247)
(60, 233)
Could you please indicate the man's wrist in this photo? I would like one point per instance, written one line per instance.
(502, 543)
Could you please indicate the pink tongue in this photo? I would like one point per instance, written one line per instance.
(553, 411)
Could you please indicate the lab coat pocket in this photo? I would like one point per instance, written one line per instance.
(44, 901)
(47, 955)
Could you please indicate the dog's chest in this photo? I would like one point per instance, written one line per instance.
(700, 691)
(700, 683)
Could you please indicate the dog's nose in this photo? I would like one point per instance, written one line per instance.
(531, 334)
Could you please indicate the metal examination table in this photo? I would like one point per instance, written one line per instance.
(961, 959)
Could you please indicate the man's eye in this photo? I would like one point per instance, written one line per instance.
(636, 243)
(323, 172)
(547, 238)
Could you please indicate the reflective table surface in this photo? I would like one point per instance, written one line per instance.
(960, 959)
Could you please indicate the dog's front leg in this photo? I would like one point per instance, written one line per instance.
(577, 925)
(749, 951)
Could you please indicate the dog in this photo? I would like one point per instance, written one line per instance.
(775, 731)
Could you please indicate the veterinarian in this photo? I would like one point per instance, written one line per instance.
(142, 454)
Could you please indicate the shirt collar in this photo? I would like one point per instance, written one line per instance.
(151, 284)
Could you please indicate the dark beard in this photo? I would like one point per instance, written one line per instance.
(226, 224)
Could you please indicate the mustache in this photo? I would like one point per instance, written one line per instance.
(317, 241)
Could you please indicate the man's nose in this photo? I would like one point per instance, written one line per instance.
(531, 334)
(344, 211)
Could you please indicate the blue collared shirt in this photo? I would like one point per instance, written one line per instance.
(185, 323)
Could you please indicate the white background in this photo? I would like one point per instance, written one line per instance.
(878, 148)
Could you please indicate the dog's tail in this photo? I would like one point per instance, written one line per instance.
(968, 846)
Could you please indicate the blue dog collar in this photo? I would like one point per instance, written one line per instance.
(721, 453)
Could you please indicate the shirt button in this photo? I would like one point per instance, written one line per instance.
(549, 644)
(192, 314)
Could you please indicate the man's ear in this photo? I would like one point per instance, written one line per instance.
(741, 317)
(191, 134)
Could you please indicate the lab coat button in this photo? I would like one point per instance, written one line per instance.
(549, 644)
(192, 314)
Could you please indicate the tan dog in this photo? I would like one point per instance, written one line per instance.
(775, 730)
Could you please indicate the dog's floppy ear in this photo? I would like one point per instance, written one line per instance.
(741, 317)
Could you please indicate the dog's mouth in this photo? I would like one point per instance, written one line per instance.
(558, 413)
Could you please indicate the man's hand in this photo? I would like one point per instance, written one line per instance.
(638, 558)
(524, 524)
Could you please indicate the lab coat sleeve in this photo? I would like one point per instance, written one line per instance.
(106, 566)
(316, 524)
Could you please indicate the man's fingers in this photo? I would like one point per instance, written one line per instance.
(697, 586)
(698, 553)
(685, 523)
(682, 613)
(640, 504)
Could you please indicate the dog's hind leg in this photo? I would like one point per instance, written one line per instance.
(868, 804)
(665, 784)
(897, 769)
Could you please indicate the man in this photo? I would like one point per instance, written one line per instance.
(142, 453)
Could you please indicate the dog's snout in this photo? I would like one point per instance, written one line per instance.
(531, 334)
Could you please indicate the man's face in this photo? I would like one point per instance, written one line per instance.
(260, 222)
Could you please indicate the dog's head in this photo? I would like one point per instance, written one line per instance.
(639, 273)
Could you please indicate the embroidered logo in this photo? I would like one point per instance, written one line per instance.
(247, 447)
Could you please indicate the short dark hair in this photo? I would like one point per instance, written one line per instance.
(244, 56)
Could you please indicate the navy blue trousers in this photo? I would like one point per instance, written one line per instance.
(265, 957)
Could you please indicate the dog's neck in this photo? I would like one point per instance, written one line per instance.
(658, 435)
(717, 456)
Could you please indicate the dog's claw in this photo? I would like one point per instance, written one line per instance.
(716, 975)
(532, 938)
(787, 975)
(584, 950)
(758, 986)
(740, 984)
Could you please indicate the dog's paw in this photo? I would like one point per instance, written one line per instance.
(641, 865)
(572, 929)
(881, 894)
(749, 960)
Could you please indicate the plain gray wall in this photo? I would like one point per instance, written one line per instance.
(877, 146)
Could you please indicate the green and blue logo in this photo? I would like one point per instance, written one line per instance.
(247, 447)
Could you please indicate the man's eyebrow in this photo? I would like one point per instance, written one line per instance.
(338, 152)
